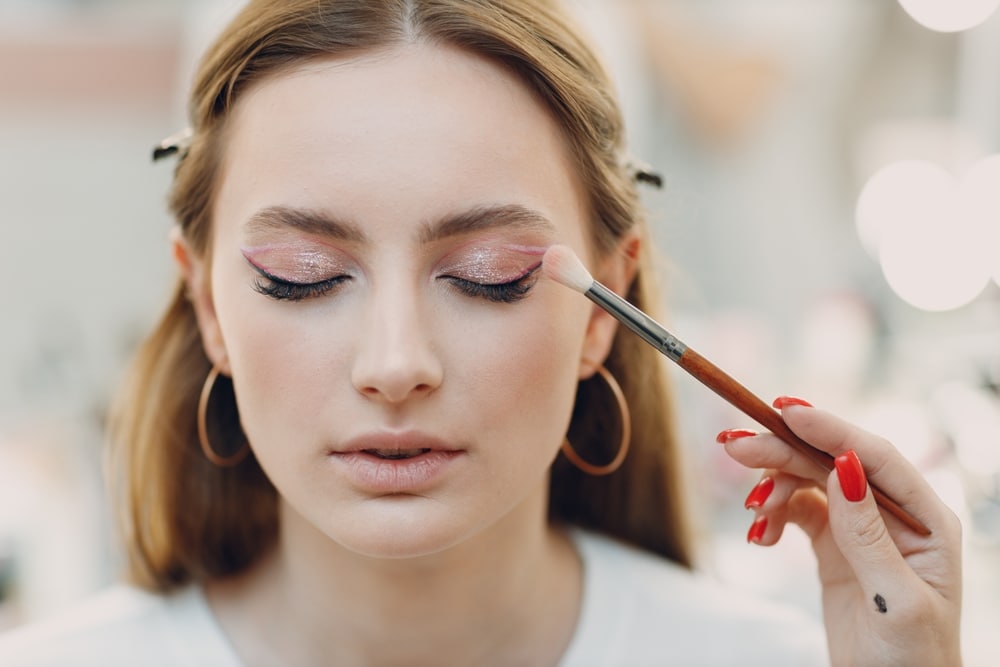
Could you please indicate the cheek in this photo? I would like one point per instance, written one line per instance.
(521, 369)
(285, 365)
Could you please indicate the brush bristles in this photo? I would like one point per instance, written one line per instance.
(563, 266)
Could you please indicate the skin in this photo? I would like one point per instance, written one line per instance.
(391, 144)
(862, 553)
(394, 143)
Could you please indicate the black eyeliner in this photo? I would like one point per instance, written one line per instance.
(287, 290)
(507, 292)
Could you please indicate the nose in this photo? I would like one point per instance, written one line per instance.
(396, 358)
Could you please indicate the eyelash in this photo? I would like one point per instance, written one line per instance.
(508, 292)
(286, 290)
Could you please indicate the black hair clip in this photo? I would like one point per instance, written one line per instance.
(643, 173)
(649, 178)
(178, 143)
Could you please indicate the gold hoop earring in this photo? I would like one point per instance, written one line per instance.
(626, 417)
(206, 447)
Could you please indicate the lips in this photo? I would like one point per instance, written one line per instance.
(395, 444)
(395, 454)
(395, 463)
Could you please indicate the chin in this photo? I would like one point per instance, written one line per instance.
(401, 527)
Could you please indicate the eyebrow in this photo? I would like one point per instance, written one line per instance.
(484, 218)
(480, 218)
(304, 220)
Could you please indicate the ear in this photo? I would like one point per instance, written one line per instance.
(616, 271)
(199, 292)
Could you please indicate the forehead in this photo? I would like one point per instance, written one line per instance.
(421, 128)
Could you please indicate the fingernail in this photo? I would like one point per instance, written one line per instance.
(784, 401)
(733, 434)
(757, 529)
(852, 478)
(759, 493)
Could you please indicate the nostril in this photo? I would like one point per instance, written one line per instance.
(390, 368)
(395, 393)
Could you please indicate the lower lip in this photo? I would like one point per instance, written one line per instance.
(379, 475)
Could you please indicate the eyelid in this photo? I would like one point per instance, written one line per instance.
(296, 263)
(285, 290)
(506, 292)
(264, 273)
(492, 265)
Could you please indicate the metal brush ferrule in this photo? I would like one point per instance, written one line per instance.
(642, 324)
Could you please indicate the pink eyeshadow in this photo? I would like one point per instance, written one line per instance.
(492, 264)
(301, 263)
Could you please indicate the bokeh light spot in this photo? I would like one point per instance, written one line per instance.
(950, 15)
(935, 236)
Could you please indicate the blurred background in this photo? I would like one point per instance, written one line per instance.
(830, 228)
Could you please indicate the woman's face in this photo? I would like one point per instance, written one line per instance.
(403, 372)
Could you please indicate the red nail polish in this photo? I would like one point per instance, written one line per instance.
(852, 478)
(757, 529)
(733, 434)
(759, 493)
(785, 401)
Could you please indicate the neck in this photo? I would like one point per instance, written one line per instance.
(507, 595)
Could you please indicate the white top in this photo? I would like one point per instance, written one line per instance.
(638, 610)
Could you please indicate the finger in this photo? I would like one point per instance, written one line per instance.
(885, 466)
(765, 530)
(792, 501)
(765, 450)
(806, 507)
(774, 489)
(861, 533)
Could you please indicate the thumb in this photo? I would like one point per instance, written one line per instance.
(860, 531)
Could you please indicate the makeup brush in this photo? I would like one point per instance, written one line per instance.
(563, 266)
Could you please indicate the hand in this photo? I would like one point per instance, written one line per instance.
(890, 596)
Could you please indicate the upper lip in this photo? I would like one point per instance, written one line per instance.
(387, 441)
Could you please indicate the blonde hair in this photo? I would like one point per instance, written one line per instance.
(185, 519)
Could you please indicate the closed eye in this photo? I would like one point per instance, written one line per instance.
(506, 292)
(286, 290)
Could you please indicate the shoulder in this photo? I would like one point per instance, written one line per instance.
(639, 609)
(121, 626)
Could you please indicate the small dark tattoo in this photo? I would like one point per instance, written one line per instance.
(880, 604)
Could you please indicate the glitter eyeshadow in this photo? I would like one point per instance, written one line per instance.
(294, 262)
(491, 265)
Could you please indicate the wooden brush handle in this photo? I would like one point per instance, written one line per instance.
(718, 381)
